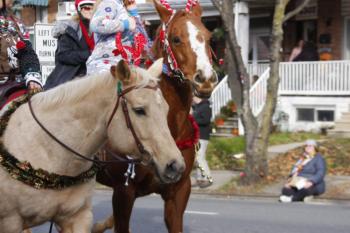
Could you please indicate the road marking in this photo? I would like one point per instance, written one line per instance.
(200, 212)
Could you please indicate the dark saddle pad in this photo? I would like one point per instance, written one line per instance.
(8, 87)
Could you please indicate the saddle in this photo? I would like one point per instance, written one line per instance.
(10, 89)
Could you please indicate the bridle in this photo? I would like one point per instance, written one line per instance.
(173, 69)
(146, 156)
(121, 98)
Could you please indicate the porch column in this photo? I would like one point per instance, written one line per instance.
(241, 12)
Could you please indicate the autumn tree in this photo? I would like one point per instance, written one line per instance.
(257, 128)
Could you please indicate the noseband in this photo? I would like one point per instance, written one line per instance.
(121, 98)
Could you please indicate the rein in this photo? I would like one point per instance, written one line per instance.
(119, 159)
(23, 170)
(97, 161)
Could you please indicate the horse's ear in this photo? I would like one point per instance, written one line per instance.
(164, 13)
(156, 69)
(197, 10)
(122, 72)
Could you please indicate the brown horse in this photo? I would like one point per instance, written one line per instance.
(190, 71)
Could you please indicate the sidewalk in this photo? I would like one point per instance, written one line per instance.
(335, 184)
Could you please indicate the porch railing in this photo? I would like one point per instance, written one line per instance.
(315, 78)
(257, 92)
(220, 96)
(257, 69)
(325, 78)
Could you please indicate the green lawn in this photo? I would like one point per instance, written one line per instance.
(220, 150)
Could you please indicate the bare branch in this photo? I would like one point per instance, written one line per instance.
(217, 4)
(296, 10)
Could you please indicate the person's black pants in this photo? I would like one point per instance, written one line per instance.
(299, 195)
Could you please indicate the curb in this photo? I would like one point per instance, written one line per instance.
(215, 193)
(265, 196)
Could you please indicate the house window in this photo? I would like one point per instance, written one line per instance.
(305, 114)
(325, 115)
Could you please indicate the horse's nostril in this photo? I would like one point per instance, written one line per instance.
(199, 78)
(173, 169)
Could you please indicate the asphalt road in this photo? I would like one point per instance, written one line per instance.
(207, 214)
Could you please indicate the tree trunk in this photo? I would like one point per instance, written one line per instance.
(257, 131)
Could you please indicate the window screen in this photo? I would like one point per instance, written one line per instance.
(325, 115)
(305, 114)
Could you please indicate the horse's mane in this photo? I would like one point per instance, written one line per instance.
(75, 90)
(78, 89)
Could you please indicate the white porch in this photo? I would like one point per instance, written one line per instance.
(312, 95)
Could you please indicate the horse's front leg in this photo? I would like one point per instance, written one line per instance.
(175, 206)
(11, 224)
(80, 222)
(123, 202)
(103, 225)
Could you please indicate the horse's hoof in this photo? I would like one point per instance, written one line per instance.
(98, 228)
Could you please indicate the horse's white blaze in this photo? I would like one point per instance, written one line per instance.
(198, 47)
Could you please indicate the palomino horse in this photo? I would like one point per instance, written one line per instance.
(189, 42)
(85, 114)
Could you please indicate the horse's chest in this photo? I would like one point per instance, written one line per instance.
(39, 205)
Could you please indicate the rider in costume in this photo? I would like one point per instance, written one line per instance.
(18, 58)
(74, 45)
(119, 34)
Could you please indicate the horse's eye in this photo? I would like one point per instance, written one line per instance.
(139, 111)
(176, 40)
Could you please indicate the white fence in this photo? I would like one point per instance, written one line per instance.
(328, 78)
(220, 96)
(222, 93)
(257, 92)
(257, 69)
(315, 78)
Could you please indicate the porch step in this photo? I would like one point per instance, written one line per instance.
(226, 135)
(339, 133)
(342, 124)
(342, 127)
(345, 115)
(225, 129)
